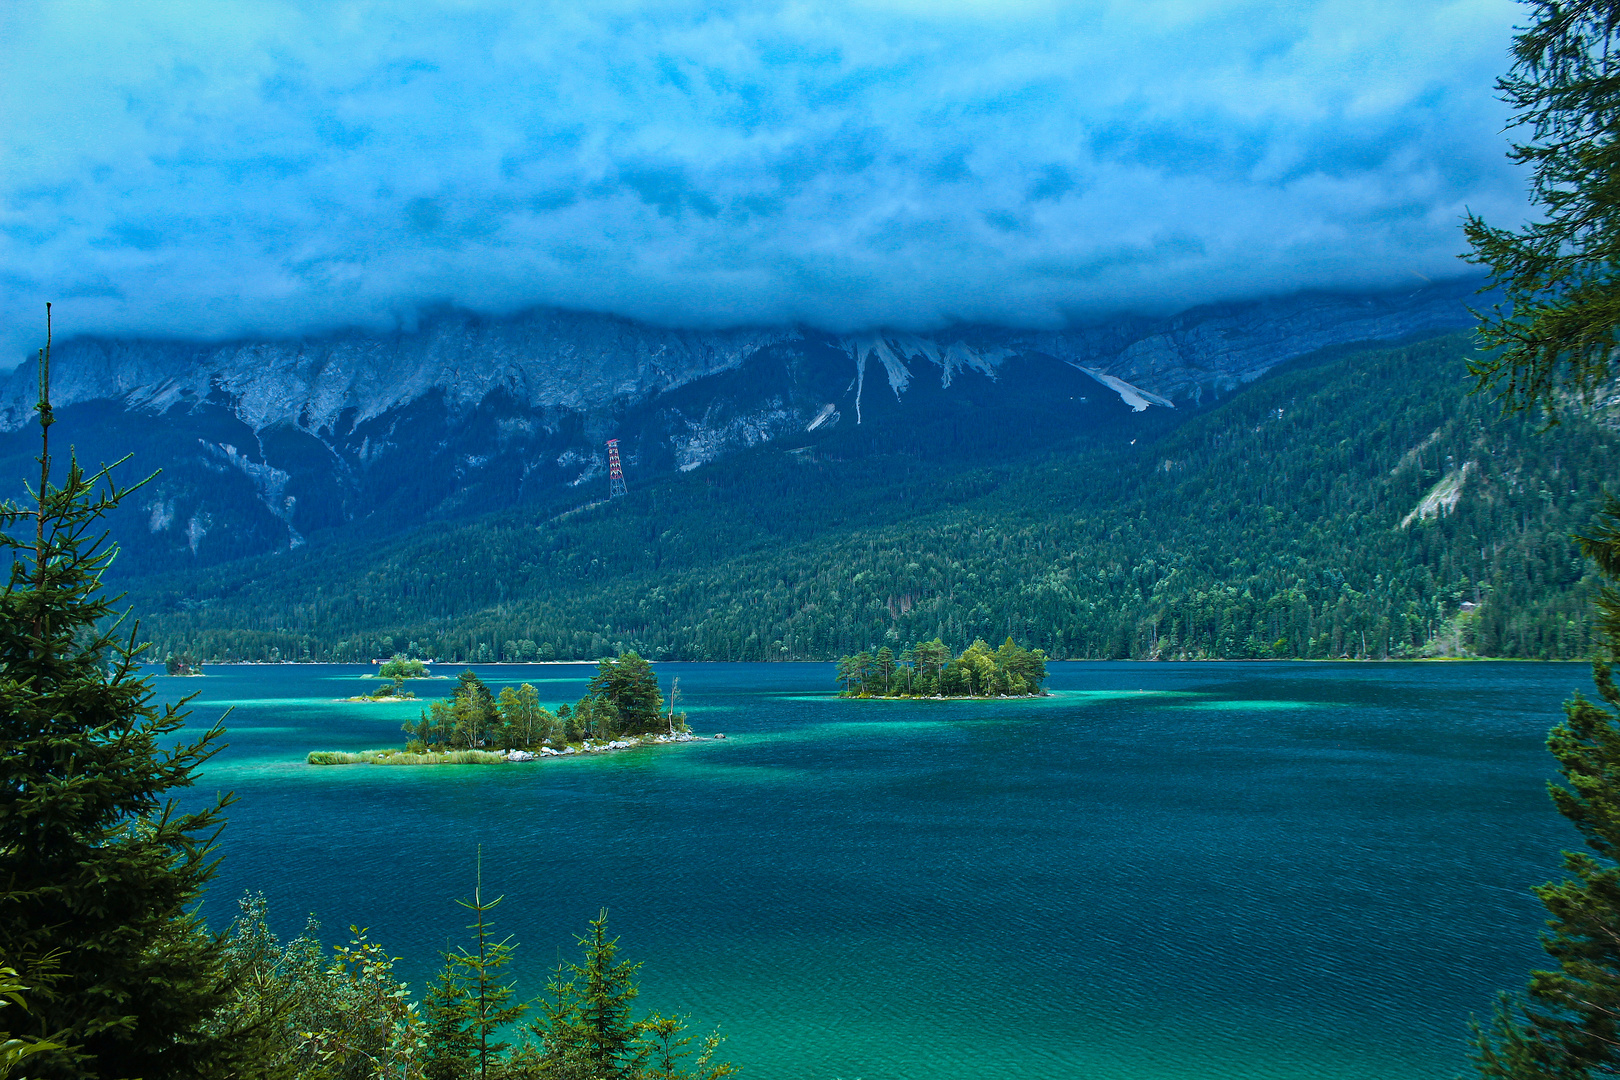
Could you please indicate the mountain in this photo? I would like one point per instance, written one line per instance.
(1353, 502)
(267, 445)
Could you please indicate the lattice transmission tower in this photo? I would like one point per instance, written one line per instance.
(615, 473)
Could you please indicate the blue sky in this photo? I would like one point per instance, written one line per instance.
(205, 170)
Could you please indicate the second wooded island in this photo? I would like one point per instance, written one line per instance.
(927, 669)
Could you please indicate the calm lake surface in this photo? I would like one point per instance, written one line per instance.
(1163, 871)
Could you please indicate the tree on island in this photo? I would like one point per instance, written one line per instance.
(181, 664)
(102, 870)
(402, 667)
(627, 689)
(1556, 341)
(928, 670)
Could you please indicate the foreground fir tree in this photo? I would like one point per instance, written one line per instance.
(100, 870)
(1569, 1026)
(1561, 274)
(1557, 339)
(588, 1030)
(472, 1001)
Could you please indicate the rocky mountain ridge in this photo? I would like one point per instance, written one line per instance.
(263, 443)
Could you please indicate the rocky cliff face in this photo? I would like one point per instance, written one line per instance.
(263, 443)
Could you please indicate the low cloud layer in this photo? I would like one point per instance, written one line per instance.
(213, 170)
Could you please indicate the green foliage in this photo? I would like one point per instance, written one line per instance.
(405, 757)
(451, 1049)
(304, 1014)
(1279, 515)
(1561, 274)
(587, 1019)
(181, 664)
(623, 696)
(524, 723)
(14, 1052)
(471, 1002)
(403, 667)
(1562, 279)
(670, 1046)
(102, 872)
(473, 719)
(1570, 1024)
(927, 670)
(587, 1029)
(392, 691)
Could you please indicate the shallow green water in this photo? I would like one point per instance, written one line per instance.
(1164, 871)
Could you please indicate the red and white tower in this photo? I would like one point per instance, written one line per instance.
(615, 473)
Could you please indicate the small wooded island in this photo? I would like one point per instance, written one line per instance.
(928, 670)
(397, 670)
(622, 708)
(182, 664)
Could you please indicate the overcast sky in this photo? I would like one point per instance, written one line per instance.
(215, 169)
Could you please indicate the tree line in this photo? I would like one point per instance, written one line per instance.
(309, 1012)
(928, 669)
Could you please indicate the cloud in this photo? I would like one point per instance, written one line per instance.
(283, 167)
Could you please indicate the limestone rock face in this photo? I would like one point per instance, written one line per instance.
(263, 443)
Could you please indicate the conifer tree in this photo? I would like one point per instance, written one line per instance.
(625, 696)
(451, 1048)
(1557, 338)
(1561, 274)
(100, 870)
(588, 1022)
(471, 1002)
(1570, 1025)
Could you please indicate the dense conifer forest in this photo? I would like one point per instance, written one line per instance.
(1355, 504)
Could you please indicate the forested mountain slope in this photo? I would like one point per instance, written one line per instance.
(1349, 504)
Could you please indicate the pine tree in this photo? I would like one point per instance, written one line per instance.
(627, 690)
(451, 1051)
(100, 871)
(1570, 1025)
(588, 1021)
(1562, 273)
(473, 1003)
(1558, 337)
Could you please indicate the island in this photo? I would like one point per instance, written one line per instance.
(396, 669)
(181, 665)
(622, 708)
(927, 670)
(393, 691)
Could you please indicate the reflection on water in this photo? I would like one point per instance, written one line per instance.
(1197, 870)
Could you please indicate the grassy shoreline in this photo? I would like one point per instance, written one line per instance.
(488, 757)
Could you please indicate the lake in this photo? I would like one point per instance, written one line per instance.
(1163, 871)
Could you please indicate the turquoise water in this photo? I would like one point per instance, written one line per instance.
(1164, 871)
